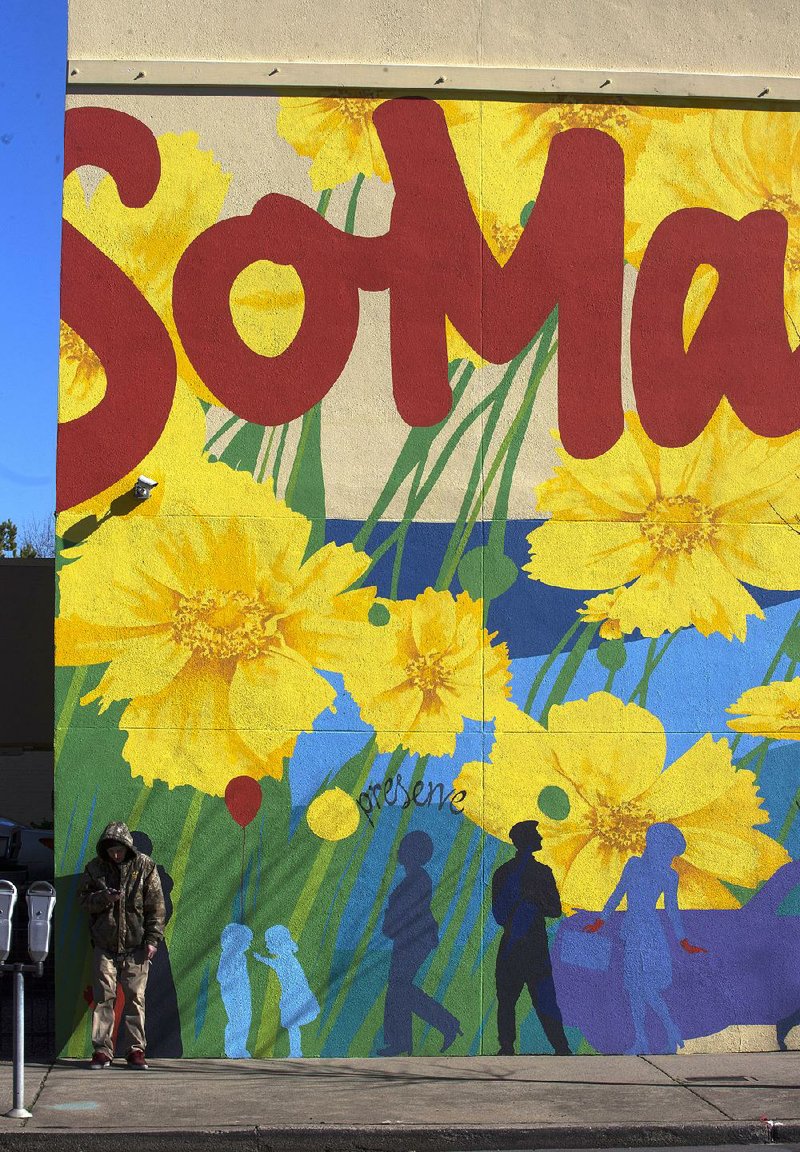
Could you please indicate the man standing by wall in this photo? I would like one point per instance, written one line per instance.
(122, 893)
(524, 893)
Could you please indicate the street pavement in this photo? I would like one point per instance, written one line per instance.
(409, 1105)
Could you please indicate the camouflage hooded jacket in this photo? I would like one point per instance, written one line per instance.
(138, 916)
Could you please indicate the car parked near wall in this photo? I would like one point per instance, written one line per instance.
(27, 852)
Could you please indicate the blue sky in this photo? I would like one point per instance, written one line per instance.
(31, 167)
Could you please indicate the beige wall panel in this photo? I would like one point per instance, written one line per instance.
(387, 31)
(727, 36)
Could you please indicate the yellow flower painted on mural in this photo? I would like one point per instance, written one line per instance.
(333, 815)
(526, 129)
(595, 780)
(416, 677)
(503, 148)
(338, 134)
(684, 528)
(459, 349)
(146, 243)
(214, 628)
(602, 610)
(734, 162)
(501, 235)
(771, 710)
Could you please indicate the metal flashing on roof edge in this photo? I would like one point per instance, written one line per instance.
(227, 75)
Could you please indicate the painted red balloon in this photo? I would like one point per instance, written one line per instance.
(243, 799)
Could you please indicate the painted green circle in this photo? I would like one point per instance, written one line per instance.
(553, 802)
(612, 655)
(379, 615)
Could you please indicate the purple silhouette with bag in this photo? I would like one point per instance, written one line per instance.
(748, 973)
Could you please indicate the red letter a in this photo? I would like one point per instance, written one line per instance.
(740, 349)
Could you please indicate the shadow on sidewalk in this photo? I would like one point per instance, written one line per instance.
(366, 1070)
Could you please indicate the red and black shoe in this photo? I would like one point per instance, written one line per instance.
(136, 1059)
(100, 1060)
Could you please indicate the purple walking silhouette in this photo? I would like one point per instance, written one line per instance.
(410, 925)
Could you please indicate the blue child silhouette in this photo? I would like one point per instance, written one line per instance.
(647, 963)
(298, 1003)
(234, 983)
(410, 925)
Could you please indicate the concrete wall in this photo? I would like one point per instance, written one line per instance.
(477, 458)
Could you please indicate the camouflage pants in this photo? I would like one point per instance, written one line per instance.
(130, 971)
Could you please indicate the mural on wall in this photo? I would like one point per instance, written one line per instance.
(451, 667)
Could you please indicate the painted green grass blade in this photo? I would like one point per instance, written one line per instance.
(414, 451)
(276, 467)
(71, 699)
(548, 663)
(541, 361)
(350, 218)
(460, 536)
(181, 859)
(457, 546)
(569, 669)
(305, 488)
(243, 450)
(231, 422)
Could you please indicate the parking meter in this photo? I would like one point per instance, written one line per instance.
(8, 898)
(41, 901)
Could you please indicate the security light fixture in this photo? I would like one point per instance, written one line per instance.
(143, 487)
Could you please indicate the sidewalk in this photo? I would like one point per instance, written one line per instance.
(424, 1105)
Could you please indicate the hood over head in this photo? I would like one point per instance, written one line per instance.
(115, 833)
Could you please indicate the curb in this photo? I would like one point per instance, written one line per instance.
(402, 1138)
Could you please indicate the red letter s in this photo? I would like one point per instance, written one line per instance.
(103, 306)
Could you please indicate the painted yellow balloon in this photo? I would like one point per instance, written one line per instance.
(333, 815)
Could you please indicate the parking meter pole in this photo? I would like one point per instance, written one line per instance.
(41, 899)
(19, 1111)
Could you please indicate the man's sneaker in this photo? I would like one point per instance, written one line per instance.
(100, 1060)
(136, 1058)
